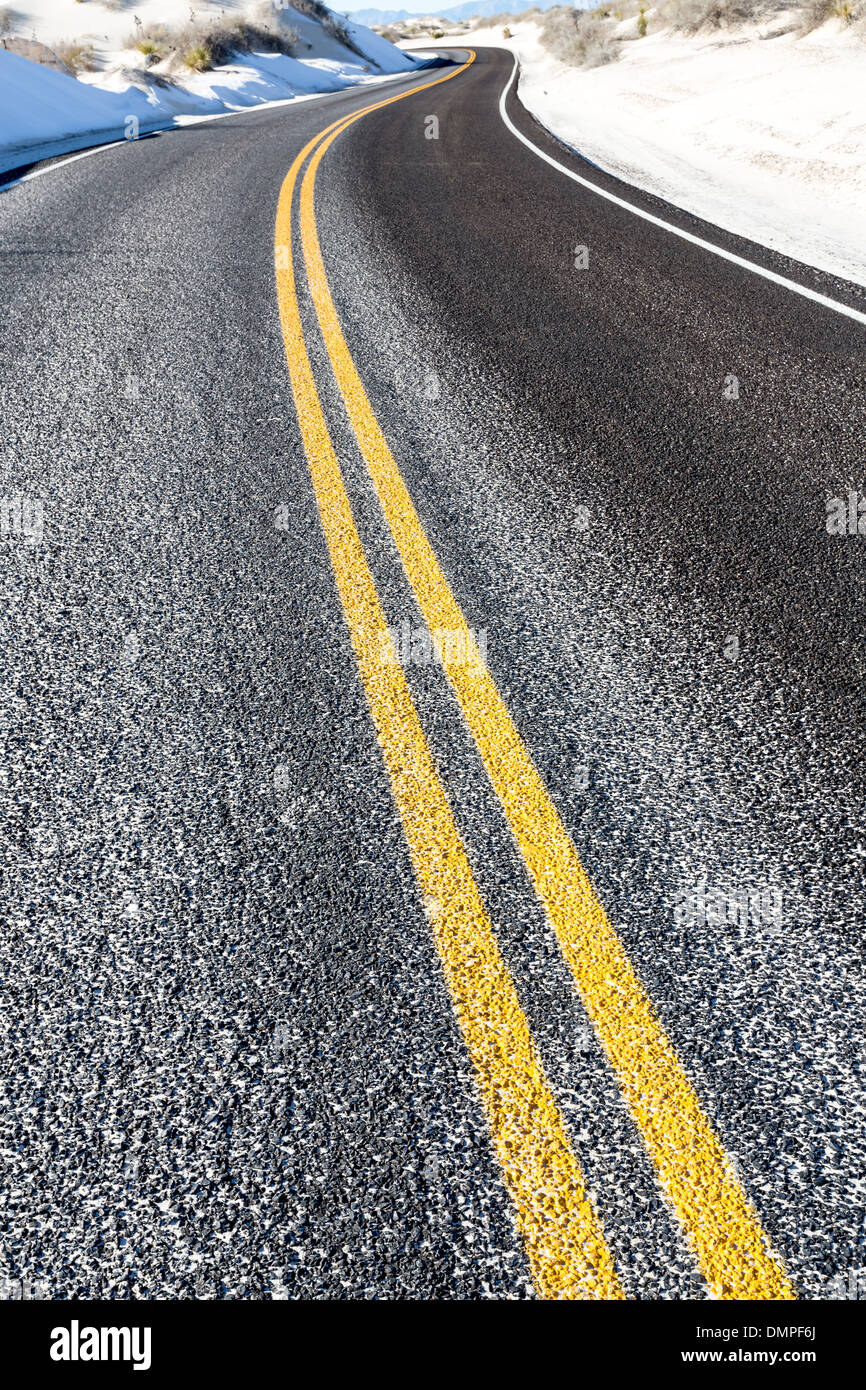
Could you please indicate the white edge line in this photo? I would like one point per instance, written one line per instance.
(806, 293)
(186, 118)
(82, 154)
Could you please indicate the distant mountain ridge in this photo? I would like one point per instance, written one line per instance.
(471, 9)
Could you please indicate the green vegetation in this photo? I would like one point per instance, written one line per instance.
(199, 58)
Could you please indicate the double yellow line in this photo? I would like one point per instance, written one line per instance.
(562, 1234)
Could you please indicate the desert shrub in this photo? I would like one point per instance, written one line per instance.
(578, 37)
(313, 9)
(204, 44)
(817, 12)
(690, 16)
(227, 37)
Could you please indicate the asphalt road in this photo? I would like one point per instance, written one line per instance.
(233, 1066)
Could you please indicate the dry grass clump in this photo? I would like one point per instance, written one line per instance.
(204, 44)
(78, 57)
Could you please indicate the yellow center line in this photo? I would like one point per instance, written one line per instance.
(564, 1241)
(719, 1222)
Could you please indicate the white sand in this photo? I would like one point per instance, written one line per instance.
(763, 136)
(44, 112)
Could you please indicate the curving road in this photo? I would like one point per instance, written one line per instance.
(243, 1041)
